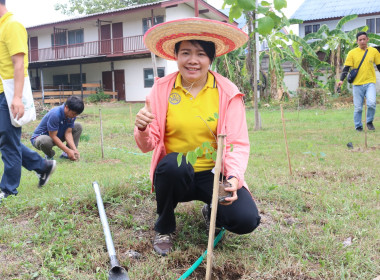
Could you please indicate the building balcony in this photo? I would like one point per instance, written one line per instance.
(112, 47)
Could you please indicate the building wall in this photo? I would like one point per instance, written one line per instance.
(133, 71)
(133, 68)
(352, 24)
(181, 11)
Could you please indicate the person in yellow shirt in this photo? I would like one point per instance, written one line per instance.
(364, 84)
(14, 65)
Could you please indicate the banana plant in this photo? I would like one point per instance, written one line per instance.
(279, 51)
(232, 65)
(335, 44)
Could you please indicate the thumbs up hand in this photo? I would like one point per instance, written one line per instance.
(144, 116)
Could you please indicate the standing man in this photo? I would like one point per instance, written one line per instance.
(58, 126)
(365, 81)
(14, 65)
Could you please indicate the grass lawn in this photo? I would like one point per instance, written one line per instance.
(321, 223)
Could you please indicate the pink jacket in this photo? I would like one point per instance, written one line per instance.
(231, 122)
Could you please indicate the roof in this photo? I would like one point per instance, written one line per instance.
(328, 9)
(241, 20)
(162, 3)
(79, 17)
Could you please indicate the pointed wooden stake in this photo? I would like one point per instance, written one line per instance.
(101, 132)
(365, 123)
(214, 206)
(286, 140)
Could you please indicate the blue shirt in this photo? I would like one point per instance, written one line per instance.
(54, 120)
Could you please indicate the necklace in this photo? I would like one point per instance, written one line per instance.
(190, 87)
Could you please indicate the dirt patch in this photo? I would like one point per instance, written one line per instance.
(267, 221)
(182, 261)
(365, 150)
(110, 161)
(332, 176)
(226, 271)
(285, 274)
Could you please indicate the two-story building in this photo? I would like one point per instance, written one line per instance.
(106, 48)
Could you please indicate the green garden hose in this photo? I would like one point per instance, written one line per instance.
(199, 261)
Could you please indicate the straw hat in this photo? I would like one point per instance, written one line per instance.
(161, 38)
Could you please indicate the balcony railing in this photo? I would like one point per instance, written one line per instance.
(118, 46)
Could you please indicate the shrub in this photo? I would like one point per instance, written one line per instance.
(99, 96)
(311, 96)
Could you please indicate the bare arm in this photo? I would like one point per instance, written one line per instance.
(17, 106)
(70, 142)
(70, 153)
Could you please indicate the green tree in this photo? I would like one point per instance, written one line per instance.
(265, 23)
(87, 7)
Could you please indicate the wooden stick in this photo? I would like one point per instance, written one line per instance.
(286, 140)
(365, 123)
(101, 132)
(214, 206)
(130, 114)
(298, 108)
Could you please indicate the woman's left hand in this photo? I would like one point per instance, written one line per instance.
(234, 187)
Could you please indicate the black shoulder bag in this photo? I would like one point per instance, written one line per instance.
(351, 76)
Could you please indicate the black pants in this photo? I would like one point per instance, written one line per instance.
(175, 184)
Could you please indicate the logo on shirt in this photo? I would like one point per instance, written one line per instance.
(174, 98)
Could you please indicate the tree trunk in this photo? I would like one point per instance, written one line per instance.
(251, 66)
(273, 84)
(337, 69)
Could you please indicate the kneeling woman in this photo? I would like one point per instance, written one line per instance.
(174, 121)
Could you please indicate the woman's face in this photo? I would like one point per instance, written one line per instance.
(192, 61)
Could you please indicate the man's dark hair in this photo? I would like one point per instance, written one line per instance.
(207, 46)
(360, 34)
(2, 2)
(74, 103)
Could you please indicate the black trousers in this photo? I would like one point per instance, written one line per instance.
(175, 184)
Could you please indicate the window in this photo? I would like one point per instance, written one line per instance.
(148, 76)
(75, 80)
(75, 36)
(147, 22)
(311, 28)
(72, 36)
(60, 80)
(371, 25)
(307, 29)
(60, 39)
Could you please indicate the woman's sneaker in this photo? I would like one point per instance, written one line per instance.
(163, 243)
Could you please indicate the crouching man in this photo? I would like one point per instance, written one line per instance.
(59, 126)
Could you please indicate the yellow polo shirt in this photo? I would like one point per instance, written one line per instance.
(366, 72)
(13, 40)
(186, 119)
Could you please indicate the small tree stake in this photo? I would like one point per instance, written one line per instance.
(365, 123)
(286, 140)
(101, 132)
(214, 206)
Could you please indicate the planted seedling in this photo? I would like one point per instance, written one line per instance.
(209, 152)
